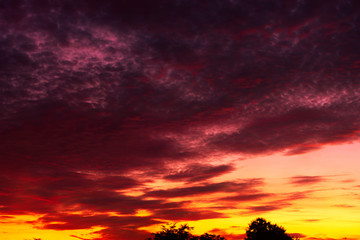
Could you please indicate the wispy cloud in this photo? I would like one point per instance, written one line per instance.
(307, 180)
(197, 172)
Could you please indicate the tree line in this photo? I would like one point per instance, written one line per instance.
(259, 229)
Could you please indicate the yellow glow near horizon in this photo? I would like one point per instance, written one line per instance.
(329, 210)
(20, 228)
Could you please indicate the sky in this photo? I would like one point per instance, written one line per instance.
(120, 116)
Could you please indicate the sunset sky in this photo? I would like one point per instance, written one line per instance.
(120, 116)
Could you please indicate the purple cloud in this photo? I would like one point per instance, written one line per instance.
(197, 172)
(99, 99)
(246, 185)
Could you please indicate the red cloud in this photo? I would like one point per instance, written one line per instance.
(197, 172)
(246, 185)
(99, 99)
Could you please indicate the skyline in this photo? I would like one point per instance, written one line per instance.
(120, 116)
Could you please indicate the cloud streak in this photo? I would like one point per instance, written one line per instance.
(306, 180)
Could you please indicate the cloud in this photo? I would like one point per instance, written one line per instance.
(229, 236)
(247, 197)
(221, 187)
(72, 221)
(343, 206)
(306, 180)
(297, 235)
(197, 172)
(293, 196)
(265, 208)
(312, 220)
(187, 214)
(98, 99)
(348, 181)
(103, 201)
(271, 202)
(84, 141)
(277, 132)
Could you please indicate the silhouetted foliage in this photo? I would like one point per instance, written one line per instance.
(207, 236)
(171, 232)
(260, 229)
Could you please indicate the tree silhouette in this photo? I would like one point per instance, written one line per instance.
(171, 232)
(207, 236)
(260, 229)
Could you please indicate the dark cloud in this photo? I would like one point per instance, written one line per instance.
(122, 232)
(97, 98)
(84, 141)
(197, 172)
(299, 129)
(187, 214)
(206, 67)
(102, 201)
(117, 182)
(71, 222)
(46, 194)
(223, 187)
